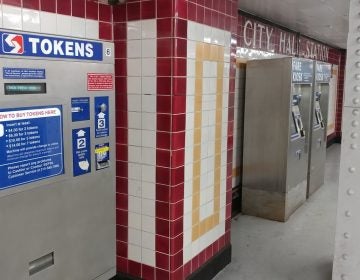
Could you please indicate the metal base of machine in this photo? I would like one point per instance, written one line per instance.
(316, 180)
(273, 205)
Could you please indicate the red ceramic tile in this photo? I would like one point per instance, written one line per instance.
(177, 175)
(202, 257)
(120, 31)
(78, 8)
(12, 2)
(120, 52)
(121, 168)
(163, 104)
(209, 252)
(164, 47)
(179, 66)
(148, 273)
(134, 268)
(162, 261)
(148, 9)
(164, 27)
(176, 244)
(121, 135)
(195, 264)
(177, 274)
(164, 122)
(192, 11)
(162, 274)
(48, 6)
(31, 4)
(179, 84)
(163, 158)
(180, 28)
(121, 249)
(122, 185)
(92, 10)
(120, 87)
(177, 210)
(133, 11)
(64, 7)
(105, 31)
(181, 10)
(162, 244)
(178, 122)
(163, 141)
(121, 217)
(121, 233)
(163, 210)
(163, 86)
(162, 227)
(180, 47)
(119, 13)
(122, 201)
(105, 13)
(176, 227)
(164, 8)
(178, 140)
(178, 104)
(200, 14)
(122, 264)
(177, 193)
(178, 158)
(163, 66)
(187, 269)
(163, 175)
(207, 17)
(121, 152)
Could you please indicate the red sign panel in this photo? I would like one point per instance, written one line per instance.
(100, 82)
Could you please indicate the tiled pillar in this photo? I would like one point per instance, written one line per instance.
(175, 84)
(340, 97)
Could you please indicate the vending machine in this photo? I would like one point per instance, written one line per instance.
(277, 121)
(318, 142)
(57, 158)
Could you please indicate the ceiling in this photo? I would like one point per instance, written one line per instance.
(324, 20)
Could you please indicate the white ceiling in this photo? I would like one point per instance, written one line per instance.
(324, 20)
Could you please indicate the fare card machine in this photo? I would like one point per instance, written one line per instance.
(276, 129)
(57, 158)
(316, 169)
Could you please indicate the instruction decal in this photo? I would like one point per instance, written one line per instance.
(81, 151)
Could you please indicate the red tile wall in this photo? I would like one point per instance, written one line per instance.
(340, 97)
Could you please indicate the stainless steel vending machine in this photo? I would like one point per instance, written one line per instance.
(317, 159)
(278, 95)
(57, 158)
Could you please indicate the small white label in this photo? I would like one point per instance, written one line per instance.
(108, 51)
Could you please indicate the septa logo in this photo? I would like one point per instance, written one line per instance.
(13, 43)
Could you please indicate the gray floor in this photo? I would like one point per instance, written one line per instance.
(301, 249)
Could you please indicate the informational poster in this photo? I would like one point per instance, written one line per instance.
(80, 109)
(102, 156)
(24, 73)
(100, 82)
(101, 116)
(31, 141)
(81, 151)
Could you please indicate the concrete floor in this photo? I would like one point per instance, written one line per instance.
(301, 249)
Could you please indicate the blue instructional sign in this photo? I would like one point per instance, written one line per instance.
(80, 109)
(81, 151)
(102, 156)
(31, 141)
(23, 73)
(101, 116)
(32, 45)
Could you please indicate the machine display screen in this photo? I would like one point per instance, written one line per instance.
(24, 88)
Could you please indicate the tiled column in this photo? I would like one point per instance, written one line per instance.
(175, 84)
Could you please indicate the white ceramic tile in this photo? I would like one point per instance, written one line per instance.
(188, 204)
(134, 102)
(148, 224)
(148, 29)
(78, 27)
(134, 137)
(148, 156)
(148, 240)
(148, 190)
(134, 85)
(135, 204)
(134, 236)
(134, 49)
(134, 30)
(134, 171)
(148, 66)
(148, 138)
(63, 26)
(92, 29)
(48, 23)
(192, 31)
(31, 20)
(191, 49)
(148, 48)
(134, 154)
(148, 85)
(148, 103)
(135, 220)
(133, 67)
(148, 257)
(134, 253)
(148, 207)
(134, 187)
(12, 18)
(148, 173)
(148, 122)
(134, 120)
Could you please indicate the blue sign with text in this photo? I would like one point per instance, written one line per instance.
(81, 151)
(22, 44)
(102, 156)
(80, 109)
(31, 141)
(101, 116)
(24, 73)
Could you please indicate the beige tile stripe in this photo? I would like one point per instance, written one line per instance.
(207, 52)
